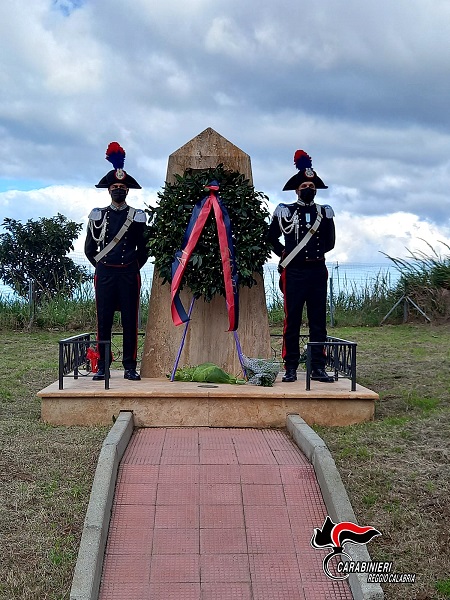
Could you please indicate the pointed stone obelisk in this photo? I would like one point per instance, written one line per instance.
(207, 338)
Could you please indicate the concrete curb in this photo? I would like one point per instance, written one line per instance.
(335, 498)
(88, 569)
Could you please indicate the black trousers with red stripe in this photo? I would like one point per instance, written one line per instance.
(304, 284)
(118, 288)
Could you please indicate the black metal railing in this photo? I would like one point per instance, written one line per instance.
(340, 357)
(73, 355)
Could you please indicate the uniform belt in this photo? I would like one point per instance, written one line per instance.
(313, 260)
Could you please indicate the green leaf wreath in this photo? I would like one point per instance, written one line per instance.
(249, 219)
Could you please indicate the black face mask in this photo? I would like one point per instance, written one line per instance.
(118, 195)
(307, 195)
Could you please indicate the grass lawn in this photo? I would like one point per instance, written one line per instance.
(396, 469)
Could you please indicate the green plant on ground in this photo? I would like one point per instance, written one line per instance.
(443, 587)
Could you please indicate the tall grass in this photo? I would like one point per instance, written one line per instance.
(364, 305)
(353, 305)
(425, 278)
(74, 313)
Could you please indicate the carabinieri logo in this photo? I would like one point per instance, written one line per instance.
(335, 535)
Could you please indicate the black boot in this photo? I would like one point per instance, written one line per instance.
(100, 375)
(131, 374)
(290, 376)
(321, 375)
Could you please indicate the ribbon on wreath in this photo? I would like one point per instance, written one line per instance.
(192, 234)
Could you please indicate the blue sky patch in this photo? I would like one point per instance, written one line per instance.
(67, 6)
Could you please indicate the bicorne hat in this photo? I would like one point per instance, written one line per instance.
(303, 163)
(116, 155)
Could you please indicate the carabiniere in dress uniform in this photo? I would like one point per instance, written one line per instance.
(116, 245)
(308, 231)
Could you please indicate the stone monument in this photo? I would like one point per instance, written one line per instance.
(207, 338)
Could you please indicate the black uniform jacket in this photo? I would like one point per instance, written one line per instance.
(130, 250)
(321, 242)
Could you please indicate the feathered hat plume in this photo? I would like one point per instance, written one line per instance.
(303, 162)
(115, 154)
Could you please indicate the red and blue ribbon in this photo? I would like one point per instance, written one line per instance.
(192, 234)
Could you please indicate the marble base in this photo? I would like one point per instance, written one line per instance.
(162, 403)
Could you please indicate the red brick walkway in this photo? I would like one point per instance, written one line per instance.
(215, 514)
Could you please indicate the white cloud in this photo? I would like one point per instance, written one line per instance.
(368, 239)
(362, 87)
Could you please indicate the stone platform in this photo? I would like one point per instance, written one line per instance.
(162, 403)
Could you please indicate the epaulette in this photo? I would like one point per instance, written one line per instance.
(329, 212)
(140, 216)
(95, 214)
(282, 211)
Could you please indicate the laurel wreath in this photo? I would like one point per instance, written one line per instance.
(249, 219)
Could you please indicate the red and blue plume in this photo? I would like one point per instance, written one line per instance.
(116, 155)
(302, 160)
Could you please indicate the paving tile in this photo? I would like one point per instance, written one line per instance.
(270, 517)
(174, 591)
(218, 439)
(136, 493)
(177, 516)
(177, 493)
(175, 568)
(255, 458)
(179, 474)
(299, 494)
(297, 474)
(175, 456)
(223, 568)
(223, 541)
(269, 541)
(302, 540)
(252, 449)
(152, 457)
(278, 440)
(263, 495)
(224, 474)
(311, 511)
(226, 591)
(220, 493)
(137, 474)
(274, 567)
(287, 457)
(124, 591)
(127, 568)
(327, 590)
(210, 456)
(132, 516)
(262, 474)
(145, 443)
(176, 541)
(286, 590)
(221, 516)
(139, 448)
(180, 444)
(122, 540)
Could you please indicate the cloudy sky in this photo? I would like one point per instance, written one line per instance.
(363, 87)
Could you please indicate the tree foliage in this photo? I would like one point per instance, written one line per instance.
(37, 251)
(248, 215)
